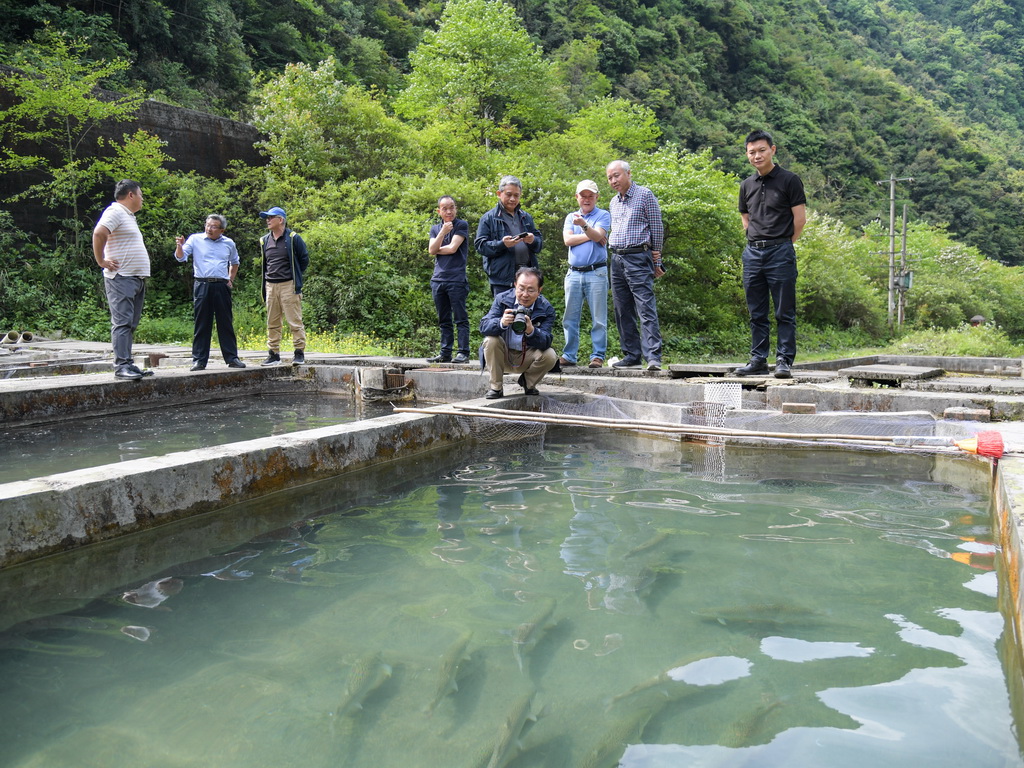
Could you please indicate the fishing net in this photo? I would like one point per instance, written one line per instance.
(716, 423)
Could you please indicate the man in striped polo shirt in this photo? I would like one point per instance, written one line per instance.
(118, 248)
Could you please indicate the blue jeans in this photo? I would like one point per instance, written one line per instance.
(770, 273)
(592, 286)
(450, 302)
(633, 292)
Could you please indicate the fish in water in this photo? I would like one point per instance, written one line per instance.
(529, 632)
(507, 745)
(607, 752)
(660, 680)
(751, 730)
(651, 543)
(367, 675)
(448, 671)
(151, 594)
(763, 619)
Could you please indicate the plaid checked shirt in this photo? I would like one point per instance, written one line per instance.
(636, 220)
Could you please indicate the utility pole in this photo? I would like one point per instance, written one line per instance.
(904, 278)
(891, 181)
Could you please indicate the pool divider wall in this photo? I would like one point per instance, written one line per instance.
(446, 385)
(1008, 501)
(71, 580)
(60, 397)
(56, 513)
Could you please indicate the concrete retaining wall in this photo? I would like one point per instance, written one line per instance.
(60, 512)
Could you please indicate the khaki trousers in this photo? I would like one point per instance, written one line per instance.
(282, 300)
(535, 362)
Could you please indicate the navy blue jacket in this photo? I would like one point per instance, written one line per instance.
(542, 317)
(298, 255)
(499, 261)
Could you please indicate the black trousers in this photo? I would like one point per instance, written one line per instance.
(212, 301)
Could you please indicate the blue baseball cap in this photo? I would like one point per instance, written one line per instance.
(275, 211)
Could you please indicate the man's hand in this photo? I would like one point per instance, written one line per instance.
(110, 264)
(446, 227)
(528, 238)
(507, 317)
(510, 241)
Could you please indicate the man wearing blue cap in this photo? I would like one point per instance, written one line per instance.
(285, 258)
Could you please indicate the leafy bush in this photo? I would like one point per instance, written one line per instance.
(965, 340)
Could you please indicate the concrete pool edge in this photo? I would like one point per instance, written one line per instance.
(57, 513)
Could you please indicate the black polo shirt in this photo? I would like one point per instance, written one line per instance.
(769, 201)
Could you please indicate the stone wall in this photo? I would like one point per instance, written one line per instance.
(196, 141)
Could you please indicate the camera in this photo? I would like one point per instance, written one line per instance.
(519, 321)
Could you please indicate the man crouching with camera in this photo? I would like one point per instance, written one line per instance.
(517, 334)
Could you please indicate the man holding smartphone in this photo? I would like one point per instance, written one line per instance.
(506, 238)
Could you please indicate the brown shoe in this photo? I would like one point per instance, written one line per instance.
(595, 362)
(565, 363)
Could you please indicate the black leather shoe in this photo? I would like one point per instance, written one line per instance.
(440, 359)
(141, 371)
(127, 373)
(783, 370)
(462, 357)
(236, 363)
(198, 367)
(527, 390)
(756, 367)
(494, 394)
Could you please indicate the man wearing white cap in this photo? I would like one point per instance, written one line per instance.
(585, 232)
(285, 258)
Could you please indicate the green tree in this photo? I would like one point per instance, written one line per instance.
(481, 73)
(57, 105)
(321, 130)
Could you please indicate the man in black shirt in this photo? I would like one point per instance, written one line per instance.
(774, 211)
(285, 258)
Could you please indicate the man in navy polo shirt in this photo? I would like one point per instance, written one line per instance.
(774, 211)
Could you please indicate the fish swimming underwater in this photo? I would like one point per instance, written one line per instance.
(507, 745)
(367, 675)
(529, 632)
(448, 670)
(608, 751)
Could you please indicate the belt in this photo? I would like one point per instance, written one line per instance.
(768, 243)
(631, 249)
(588, 268)
(211, 279)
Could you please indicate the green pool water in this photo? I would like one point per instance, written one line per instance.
(651, 603)
(44, 449)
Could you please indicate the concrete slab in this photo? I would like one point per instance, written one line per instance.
(889, 374)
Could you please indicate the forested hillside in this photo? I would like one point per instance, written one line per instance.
(854, 90)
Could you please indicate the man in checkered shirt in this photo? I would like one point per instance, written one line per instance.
(635, 242)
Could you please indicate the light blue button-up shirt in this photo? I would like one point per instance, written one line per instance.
(210, 258)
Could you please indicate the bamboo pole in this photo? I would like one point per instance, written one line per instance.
(649, 426)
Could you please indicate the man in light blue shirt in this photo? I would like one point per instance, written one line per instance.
(215, 262)
(585, 232)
